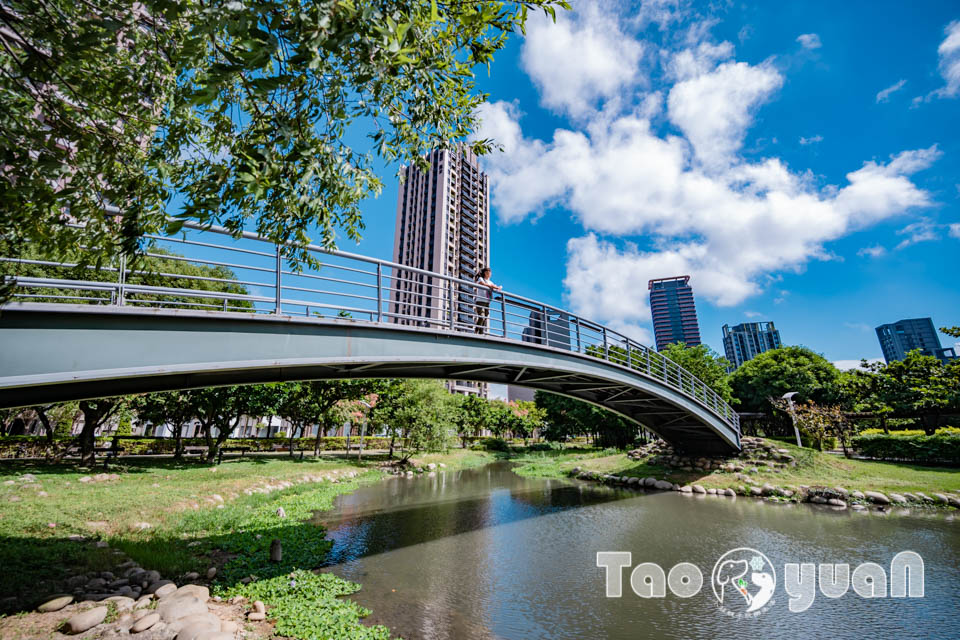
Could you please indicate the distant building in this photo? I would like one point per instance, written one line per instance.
(443, 226)
(674, 313)
(515, 393)
(899, 338)
(744, 341)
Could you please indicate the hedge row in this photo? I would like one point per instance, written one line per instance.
(939, 448)
(37, 447)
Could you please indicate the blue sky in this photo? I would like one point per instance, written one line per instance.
(801, 161)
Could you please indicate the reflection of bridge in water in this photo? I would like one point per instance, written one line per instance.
(126, 331)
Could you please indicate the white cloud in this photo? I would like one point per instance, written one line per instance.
(811, 140)
(949, 52)
(729, 229)
(858, 326)
(921, 231)
(949, 65)
(809, 41)
(715, 109)
(955, 230)
(847, 365)
(752, 314)
(884, 95)
(580, 59)
(875, 251)
(701, 207)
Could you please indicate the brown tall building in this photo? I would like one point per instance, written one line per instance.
(443, 225)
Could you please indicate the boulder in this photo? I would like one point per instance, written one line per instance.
(85, 620)
(195, 590)
(122, 603)
(145, 622)
(163, 590)
(55, 603)
(876, 497)
(859, 495)
(157, 584)
(711, 491)
(663, 485)
(942, 499)
(698, 489)
(818, 500)
(259, 607)
(256, 616)
(730, 493)
(172, 609)
(896, 497)
(756, 491)
(649, 482)
(910, 497)
(836, 502)
(686, 489)
(199, 626)
(211, 573)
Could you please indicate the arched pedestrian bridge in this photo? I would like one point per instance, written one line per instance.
(244, 317)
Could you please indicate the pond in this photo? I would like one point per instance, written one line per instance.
(485, 553)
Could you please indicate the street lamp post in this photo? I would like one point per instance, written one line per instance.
(793, 416)
(363, 429)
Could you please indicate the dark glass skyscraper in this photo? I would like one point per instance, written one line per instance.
(744, 341)
(899, 338)
(674, 313)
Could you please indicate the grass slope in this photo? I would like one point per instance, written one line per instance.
(813, 468)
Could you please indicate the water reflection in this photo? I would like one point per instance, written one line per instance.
(485, 553)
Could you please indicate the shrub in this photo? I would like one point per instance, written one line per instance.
(938, 448)
(546, 446)
(496, 444)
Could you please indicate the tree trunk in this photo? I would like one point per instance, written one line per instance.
(48, 430)
(316, 443)
(393, 440)
(178, 441)
(294, 428)
(92, 415)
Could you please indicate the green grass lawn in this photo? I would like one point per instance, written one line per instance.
(813, 468)
(199, 516)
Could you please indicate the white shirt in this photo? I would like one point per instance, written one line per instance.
(486, 291)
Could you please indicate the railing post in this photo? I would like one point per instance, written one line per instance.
(503, 313)
(121, 295)
(452, 303)
(606, 347)
(629, 358)
(379, 292)
(279, 302)
(576, 320)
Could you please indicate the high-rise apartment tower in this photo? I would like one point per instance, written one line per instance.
(674, 313)
(899, 338)
(443, 226)
(744, 341)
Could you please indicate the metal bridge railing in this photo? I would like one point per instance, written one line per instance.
(248, 274)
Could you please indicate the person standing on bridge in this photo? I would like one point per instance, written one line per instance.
(483, 297)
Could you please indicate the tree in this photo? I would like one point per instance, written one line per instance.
(953, 332)
(421, 411)
(529, 418)
(96, 413)
(820, 422)
(241, 109)
(219, 410)
(173, 408)
(920, 386)
(705, 364)
(778, 371)
(564, 417)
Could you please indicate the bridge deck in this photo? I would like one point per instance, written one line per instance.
(57, 352)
